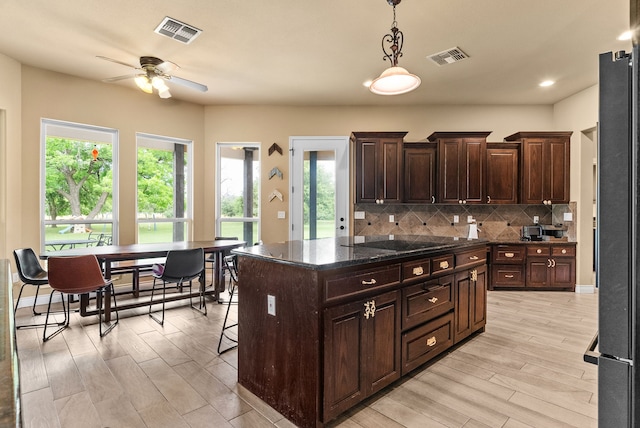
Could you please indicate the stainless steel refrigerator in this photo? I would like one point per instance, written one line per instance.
(617, 242)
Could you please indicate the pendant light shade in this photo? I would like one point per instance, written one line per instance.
(395, 80)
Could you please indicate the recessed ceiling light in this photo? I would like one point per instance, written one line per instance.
(547, 83)
(625, 36)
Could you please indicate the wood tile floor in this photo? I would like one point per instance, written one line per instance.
(526, 370)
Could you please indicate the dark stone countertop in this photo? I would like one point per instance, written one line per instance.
(332, 253)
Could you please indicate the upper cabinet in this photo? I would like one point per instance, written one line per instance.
(378, 166)
(419, 173)
(501, 171)
(461, 164)
(544, 167)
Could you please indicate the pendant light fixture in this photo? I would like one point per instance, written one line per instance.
(394, 80)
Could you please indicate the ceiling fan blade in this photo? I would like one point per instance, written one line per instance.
(117, 78)
(188, 83)
(116, 61)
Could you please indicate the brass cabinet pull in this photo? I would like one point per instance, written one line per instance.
(433, 299)
(444, 265)
(370, 309)
(488, 199)
(417, 271)
(539, 251)
(474, 275)
(564, 251)
(553, 261)
(548, 263)
(373, 281)
(473, 258)
(433, 199)
(432, 341)
(509, 255)
(508, 276)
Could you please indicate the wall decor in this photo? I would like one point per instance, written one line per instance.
(275, 148)
(275, 171)
(275, 194)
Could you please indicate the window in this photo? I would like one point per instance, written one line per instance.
(237, 198)
(164, 188)
(79, 182)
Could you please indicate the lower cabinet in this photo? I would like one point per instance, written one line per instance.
(471, 302)
(361, 350)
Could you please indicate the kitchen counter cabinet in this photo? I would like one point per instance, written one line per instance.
(349, 318)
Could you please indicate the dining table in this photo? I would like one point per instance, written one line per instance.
(107, 255)
(71, 243)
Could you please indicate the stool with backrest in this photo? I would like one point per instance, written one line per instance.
(231, 267)
(31, 273)
(78, 275)
(180, 266)
(211, 258)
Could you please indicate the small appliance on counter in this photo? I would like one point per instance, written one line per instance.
(543, 232)
(532, 233)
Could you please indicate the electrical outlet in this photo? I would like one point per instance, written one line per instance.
(281, 214)
(391, 218)
(456, 219)
(271, 305)
(469, 219)
(358, 215)
(536, 219)
(567, 216)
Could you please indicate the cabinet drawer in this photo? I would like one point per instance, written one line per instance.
(357, 282)
(538, 250)
(471, 257)
(442, 264)
(560, 251)
(505, 254)
(508, 275)
(426, 301)
(425, 342)
(418, 269)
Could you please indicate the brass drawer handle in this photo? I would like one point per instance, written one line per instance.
(373, 281)
(474, 258)
(564, 251)
(444, 265)
(508, 276)
(539, 251)
(433, 299)
(509, 255)
(370, 309)
(417, 271)
(432, 341)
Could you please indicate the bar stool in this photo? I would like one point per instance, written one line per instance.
(231, 267)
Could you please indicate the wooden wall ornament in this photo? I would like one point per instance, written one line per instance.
(275, 171)
(275, 148)
(275, 194)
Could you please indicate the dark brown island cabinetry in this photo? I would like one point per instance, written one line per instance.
(420, 170)
(461, 164)
(378, 171)
(501, 171)
(316, 337)
(533, 266)
(544, 168)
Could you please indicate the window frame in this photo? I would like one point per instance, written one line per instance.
(86, 132)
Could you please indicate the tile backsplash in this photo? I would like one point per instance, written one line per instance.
(495, 222)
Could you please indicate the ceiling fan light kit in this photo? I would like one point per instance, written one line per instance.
(394, 80)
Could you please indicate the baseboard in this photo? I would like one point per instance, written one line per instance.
(585, 289)
(26, 302)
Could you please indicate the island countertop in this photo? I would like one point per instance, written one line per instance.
(331, 253)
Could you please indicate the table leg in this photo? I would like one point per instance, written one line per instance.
(107, 292)
(218, 278)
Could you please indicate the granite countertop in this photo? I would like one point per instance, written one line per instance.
(331, 253)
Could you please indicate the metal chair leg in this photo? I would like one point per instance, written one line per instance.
(225, 327)
(101, 311)
(65, 324)
(164, 288)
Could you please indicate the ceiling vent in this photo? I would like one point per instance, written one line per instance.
(177, 30)
(448, 57)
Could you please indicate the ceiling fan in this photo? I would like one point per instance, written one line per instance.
(153, 73)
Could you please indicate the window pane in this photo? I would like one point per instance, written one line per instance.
(78, 184)
(161, 232)
(235, 229)
(319, 202)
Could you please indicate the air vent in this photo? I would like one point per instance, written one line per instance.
(448, 57)
(177, 30)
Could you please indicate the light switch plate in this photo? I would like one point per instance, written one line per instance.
(281, 214)
(358, 215)
(536, 219)
(568, 216)
(456, 219)
(391, 218)
(271, 305)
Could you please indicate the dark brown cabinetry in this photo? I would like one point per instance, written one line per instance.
(551, 266)
(378, 169)
(544, 168)
(501, 171)
(461, 163)
(548, 266)
(471, 302)
(419, 172)
(361, 350)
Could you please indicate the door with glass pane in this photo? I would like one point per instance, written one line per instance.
(319, 170)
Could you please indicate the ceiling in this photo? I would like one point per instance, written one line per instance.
(306, 52)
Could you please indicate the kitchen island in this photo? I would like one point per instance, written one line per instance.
(324, 324)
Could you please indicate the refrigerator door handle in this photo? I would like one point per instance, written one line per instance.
(590, 355)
